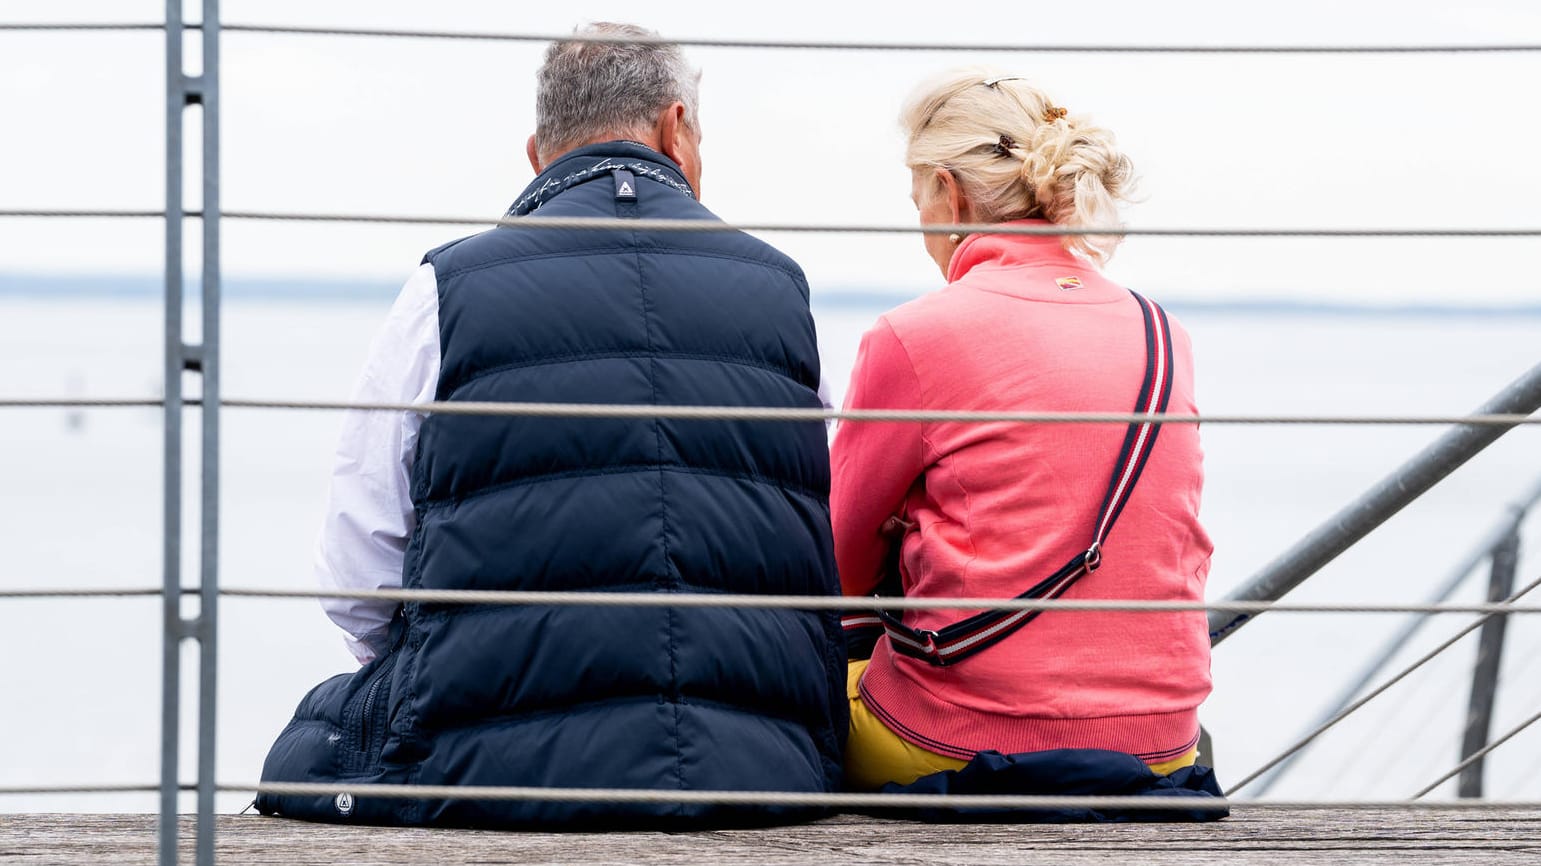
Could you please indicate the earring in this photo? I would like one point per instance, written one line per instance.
(955, 238)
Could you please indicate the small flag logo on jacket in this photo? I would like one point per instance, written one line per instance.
(1067, 284)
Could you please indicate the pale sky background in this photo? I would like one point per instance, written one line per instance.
(437, 127)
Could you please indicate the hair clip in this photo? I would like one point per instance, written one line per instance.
(1053, 113)
(1004, 145)
(991, 82)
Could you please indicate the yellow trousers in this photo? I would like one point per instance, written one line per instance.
(875, 755)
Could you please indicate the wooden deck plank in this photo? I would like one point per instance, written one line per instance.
(1254, 836)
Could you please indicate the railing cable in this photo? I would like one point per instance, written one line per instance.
(1477, 756)
(80, 402)
(780, 602)
(850, 45)
(49, 790)
(802, 44)
(82, 27)
(824, 602)
(77, 213)
(770, 413)
(776, 413)
(710, 226)
(1376, 692)
(843, 800)
(83, 592)
(786, 798)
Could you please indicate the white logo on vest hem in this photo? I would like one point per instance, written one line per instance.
(344, 803)
(626, 190)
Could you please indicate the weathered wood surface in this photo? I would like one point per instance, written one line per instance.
(1255, 835)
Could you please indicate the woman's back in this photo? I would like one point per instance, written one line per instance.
(1026, 326)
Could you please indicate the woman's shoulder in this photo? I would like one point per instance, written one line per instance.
(934, 313)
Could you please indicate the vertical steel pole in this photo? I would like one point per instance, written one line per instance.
(1484, 678)
(171, 531)
(208, 587)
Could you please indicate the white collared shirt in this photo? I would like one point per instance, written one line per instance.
(369, 516)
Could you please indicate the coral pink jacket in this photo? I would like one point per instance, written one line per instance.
(1024, 325)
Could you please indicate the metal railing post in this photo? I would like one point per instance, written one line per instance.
(1377, 505)
(1484, 680)
(182, 91)
(175, 354)
(208, 584)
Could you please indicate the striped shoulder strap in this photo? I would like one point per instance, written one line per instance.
(963, 639)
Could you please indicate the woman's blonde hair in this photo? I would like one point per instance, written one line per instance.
(1018, 155)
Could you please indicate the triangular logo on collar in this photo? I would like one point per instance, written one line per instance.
(625, 185)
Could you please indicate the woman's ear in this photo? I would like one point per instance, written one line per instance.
(957, 203)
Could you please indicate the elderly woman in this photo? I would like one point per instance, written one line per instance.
(1026, 322)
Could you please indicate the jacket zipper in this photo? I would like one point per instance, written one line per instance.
(369, 702)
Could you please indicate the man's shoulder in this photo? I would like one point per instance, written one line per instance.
(733, 246)
(458, 253)
(718, 251)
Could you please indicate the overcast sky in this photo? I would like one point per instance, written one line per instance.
(438, 127)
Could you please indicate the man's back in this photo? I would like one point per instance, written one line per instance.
(623, 697)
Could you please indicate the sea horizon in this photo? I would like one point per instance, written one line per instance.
(849, 296)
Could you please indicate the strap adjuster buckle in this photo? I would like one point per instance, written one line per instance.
(1093, 559)
(929, 647)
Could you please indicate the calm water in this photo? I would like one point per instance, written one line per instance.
(80, 506)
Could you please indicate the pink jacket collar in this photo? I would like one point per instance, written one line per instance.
(1008, 250)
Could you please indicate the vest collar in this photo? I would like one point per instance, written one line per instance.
(1009, 250)
(594, 161)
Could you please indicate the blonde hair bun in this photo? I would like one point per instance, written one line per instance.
(1018, 155)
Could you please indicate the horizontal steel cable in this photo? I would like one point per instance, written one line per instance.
(1379, 690)
(824, 602)
(78, 213)
(769, 413)
(776, 413)
(698, 226)
(88, 26)
(858, 801)
(80, 402)
(782, 602)
(86, 592)
(775, 798)
(848, 45)
(1477, 756)
(23, 790)
(807, 44)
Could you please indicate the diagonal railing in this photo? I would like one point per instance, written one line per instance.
(1505, 532)
(1401, 486)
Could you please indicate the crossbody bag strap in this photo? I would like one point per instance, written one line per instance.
(963, 639)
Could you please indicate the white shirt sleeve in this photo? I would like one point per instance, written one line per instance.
(370, 516)
(829, 424)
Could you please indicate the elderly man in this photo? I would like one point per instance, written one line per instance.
(662, 698)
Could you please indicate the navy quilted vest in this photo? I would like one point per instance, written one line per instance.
(661, 698)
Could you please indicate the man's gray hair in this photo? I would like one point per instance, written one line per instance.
(587, 90)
